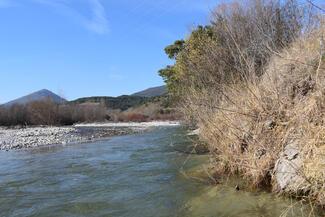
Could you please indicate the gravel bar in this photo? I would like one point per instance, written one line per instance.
(33, 137)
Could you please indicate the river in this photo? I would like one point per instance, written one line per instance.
(127, 176)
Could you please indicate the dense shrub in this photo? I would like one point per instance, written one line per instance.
(147, 112)
(133, 117)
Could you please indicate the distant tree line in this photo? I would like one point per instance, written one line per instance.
(47, 112)
(121, 109)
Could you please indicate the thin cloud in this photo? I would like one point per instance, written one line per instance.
(98, 23)
(97, 20)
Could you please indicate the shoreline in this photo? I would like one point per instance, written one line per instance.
(41, 136)
(132, 124)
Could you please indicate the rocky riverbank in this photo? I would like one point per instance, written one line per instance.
(19, 138)
(42, 136)
(32, 137)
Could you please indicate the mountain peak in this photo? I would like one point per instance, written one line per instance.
(44, 90)
(37, 96)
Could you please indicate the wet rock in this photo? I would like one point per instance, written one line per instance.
(287, 171)
(201, 149)
(194, 132)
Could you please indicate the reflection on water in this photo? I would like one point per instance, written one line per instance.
(128, 176)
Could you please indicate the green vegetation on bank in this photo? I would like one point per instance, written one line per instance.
(122, 102)
(253, 82)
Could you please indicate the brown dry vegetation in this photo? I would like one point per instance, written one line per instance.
(46, 112)
(146, 112)
(254, 83)
(260, 117)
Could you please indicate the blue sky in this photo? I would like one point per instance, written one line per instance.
(90, 47)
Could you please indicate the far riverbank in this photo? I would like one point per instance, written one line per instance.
(32, 137)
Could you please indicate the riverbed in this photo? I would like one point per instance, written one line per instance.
(141, 175)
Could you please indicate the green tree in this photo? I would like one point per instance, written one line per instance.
(169, 74)
(186, 53)
(173, 50)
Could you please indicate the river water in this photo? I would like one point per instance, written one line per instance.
(129, 176)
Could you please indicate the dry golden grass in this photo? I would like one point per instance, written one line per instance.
(249, 127)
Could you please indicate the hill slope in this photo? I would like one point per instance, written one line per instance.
(152, 92)
(37, 96)
(122, 102)
(125, 102)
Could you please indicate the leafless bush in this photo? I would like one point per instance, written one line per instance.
(90, 112)
(46, 112)
(17, 115)
(147, 112)
(133, 117)
(43, 112)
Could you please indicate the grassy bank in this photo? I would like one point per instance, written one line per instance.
(259, 120)
(253, 82)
